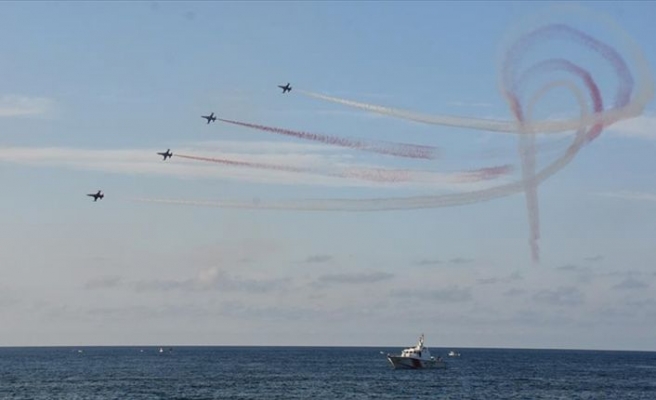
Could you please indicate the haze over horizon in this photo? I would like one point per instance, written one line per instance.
(90, 92)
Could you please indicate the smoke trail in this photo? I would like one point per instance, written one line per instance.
(393, 149)
(381, 175)
(234, 163)
(627, 104)
(527, 141)
(512, 86)
(404, 203)
(606, 118)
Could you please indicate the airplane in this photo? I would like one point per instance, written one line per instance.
(285, 88)
(96, 196)
(209, 118)
(166, 154)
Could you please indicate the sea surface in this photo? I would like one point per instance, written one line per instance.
(319, 373)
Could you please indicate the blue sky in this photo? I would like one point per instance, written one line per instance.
(90, 91)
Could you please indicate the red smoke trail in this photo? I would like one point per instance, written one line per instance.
(623, 94)
(374, 175)
(588, 126)
(393, 149)
(527, 141)
(234, 163)
(369, 174)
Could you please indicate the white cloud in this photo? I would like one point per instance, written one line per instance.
(18, 106)
(631, 284)
(626, 195)
(562, 296)
(329, 168)
(470, 104)
(213, 278)
(642, 127)
(353, 278)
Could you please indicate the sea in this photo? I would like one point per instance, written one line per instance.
(319, 373)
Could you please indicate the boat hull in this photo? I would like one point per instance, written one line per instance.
(414, 363)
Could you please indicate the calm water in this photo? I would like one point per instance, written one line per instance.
(319, 373)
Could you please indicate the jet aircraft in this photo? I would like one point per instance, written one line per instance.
(209, 118)
(285, 88)
(96, 196)
(166, 154)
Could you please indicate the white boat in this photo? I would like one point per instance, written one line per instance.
(454, 354)
(416, 357)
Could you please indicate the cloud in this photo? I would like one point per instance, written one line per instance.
(644, 303)
(270, 313)
(331, 167)
(295, 313)
(461, 260)
(318, 259)
(162, 285)
(6, 300)
(570, 267)
(515, 276)
(631, 283)
(514, 292)
(214, 279)
(487, 281)
(452, 294)
(470, 104)
(641, 127)
(146, 162)
(19, 106)
(107, 282)
(596, 258)
(426, 262)
(563, 296)
(583, 274)
(533, 318)
(627, 195)
(355, 278)
(141, 312)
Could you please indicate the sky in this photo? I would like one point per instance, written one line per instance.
(331, 241)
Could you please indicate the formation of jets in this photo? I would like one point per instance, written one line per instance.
(167, 154)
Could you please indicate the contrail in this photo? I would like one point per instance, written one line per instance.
(393, 149)
(236, 163)
(606, 118)
(396, 203)
(631, 94)
(512, 87)
(370, 174)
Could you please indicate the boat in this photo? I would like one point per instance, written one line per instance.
(453, 354)
(416, 357)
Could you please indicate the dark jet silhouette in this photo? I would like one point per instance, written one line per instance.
(285, 88)
(209, 118)
(166, 154)
(96, 196)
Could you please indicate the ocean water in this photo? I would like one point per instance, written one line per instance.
(319, 373)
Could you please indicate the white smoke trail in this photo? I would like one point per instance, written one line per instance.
(408, 203)
(381, 175)
(608, 117)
